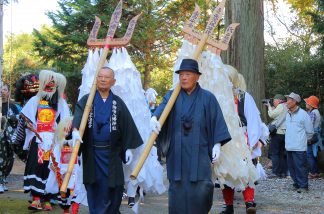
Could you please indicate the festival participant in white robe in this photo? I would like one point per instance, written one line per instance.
(251, 122)
(192, 135)
(38, 121)
(264, 135)
(129, 88)
(59, 159)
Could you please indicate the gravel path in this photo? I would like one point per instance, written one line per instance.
(273, 196)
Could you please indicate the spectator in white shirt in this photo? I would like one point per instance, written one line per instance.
(299, 129)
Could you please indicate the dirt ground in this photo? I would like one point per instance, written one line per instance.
(273, 196)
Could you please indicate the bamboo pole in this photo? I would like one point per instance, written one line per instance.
(84, 119)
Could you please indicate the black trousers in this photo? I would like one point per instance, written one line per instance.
(278, 155)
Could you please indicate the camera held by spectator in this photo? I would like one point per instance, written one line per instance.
(266, 101)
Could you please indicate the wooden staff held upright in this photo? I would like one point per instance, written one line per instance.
(107, 43)
(193, 36)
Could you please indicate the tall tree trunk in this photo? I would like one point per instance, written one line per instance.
(147, 67)
(147, 74)
(1, 55)
(246, 51)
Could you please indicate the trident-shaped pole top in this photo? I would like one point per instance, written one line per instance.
(110, 41)
(193, 36)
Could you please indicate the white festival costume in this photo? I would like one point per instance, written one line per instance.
(88, 72)
(234, 167)
(75, 181)
(264, 138)
(129, 88)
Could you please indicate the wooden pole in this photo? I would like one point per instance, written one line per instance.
(83, 123)
(153, 136)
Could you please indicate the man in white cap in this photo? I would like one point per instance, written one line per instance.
(299, 129)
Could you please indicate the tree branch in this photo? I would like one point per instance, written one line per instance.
(272, 32)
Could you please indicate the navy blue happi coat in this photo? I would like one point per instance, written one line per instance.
(109, 132)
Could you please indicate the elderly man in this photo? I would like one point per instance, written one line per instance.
(109, 136)
(299, 129)
(277, 146)
(191, 138)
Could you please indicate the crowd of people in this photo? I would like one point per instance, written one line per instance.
(295, 139)
(193, 138)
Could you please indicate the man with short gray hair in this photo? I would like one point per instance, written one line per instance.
(299, 129)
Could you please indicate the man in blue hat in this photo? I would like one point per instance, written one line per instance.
(191, 140)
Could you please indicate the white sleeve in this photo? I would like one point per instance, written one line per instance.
(253, 119)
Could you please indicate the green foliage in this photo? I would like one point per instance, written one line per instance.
(302, 5)
(318, 19)
(162, 81)
(310, 20)
(155, 41)
(61, 54)
(73, 83)
(288, 69)
(19, 57)
(298, 65)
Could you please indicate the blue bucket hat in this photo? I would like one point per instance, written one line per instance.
(189, 65)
